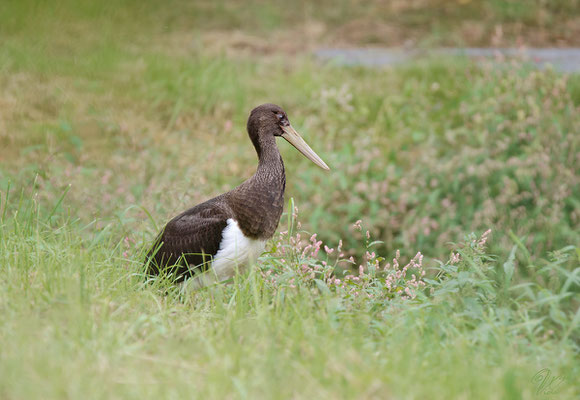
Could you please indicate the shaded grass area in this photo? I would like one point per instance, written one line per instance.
(419, 22)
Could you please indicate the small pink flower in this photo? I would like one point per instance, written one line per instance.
(328, 250)
(455, 258)
(483, 238)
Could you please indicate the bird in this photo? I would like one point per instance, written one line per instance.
(218, 238)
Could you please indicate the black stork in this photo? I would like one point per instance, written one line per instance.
(224, 234)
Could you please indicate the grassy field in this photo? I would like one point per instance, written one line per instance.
(113, 119)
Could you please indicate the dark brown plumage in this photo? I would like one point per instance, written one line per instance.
(191, 240)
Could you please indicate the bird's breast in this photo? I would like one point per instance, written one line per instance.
(257, 207)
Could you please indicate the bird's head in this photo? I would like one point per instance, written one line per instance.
(270, 120)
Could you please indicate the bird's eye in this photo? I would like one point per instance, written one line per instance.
(280, 116)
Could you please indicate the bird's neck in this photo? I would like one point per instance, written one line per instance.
(269, 158)
(259, 201)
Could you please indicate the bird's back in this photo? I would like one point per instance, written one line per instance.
(190, 240)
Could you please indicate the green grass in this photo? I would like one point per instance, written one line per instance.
(112, 120)
(79, 322)
(345, 22)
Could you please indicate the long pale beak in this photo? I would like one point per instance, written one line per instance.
(296, 140)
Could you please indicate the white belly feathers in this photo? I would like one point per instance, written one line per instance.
(235, 253)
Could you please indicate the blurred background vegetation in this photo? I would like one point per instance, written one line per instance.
(145, 103)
